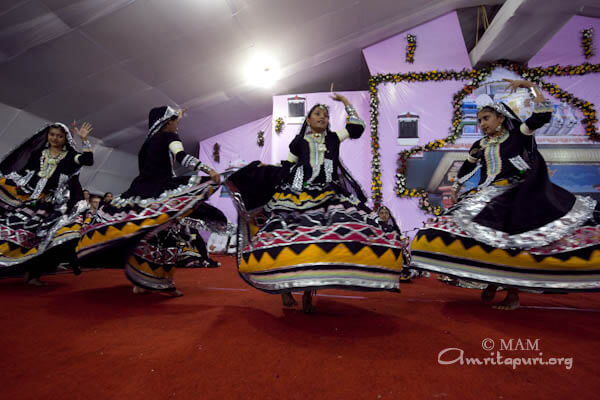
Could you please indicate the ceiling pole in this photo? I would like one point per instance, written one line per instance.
(520, 29)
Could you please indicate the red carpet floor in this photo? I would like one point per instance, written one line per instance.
(89, 337)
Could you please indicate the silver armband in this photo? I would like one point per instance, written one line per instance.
(543, 106)
(351, 111)
(353, 117)
(86, 145)
(203, 167)
(195, 164)
(533, 92)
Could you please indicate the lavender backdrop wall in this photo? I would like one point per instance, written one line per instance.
(440, 46)
(565, 49)
(237, 145)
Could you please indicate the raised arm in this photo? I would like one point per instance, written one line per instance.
(189, 161)
(542, 108)
(355, 126)
(87, 156)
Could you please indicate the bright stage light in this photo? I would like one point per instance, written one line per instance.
(262, 70)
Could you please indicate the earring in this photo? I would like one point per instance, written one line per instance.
(499, 128)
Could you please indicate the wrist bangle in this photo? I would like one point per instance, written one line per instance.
(204, 168)
(86, 145)
(533, 92)
(352, 115)
(472, 159)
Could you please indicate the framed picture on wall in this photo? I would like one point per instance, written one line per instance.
(296, 110)
(408, 129)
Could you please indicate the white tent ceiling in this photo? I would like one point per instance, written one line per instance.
(110, 61)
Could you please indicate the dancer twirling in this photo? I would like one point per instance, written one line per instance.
(40, 212)
(516, 229)
(192, 247)
(388, 223)
(318, 231)
(132, 230)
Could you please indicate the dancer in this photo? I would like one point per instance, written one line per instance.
(388, 223)
(317, 231)
(132, 230)
(192, 249)
(193, 252)
(95, 204)
(40, 208)
(108, 196)
(516, 229)
(86, 195)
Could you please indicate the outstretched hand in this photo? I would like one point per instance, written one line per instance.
(84, 130)
(214, 175)
(181, 112)
(453, 196)
(339, 97)
(513, 85)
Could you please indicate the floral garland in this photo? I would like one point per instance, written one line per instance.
(477, 76)
(376, 193)
(279, 122)
(410, 48)
(425, 205)
(374, 81)
(587, 42)
(260, 138)
(217, 152)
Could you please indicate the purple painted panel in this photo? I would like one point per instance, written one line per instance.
(585, 87)
(440, 45)
(432, 103)
(238, 145)
(565, 47)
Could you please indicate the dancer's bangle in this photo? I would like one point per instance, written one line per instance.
(351, 111)
(204, 168)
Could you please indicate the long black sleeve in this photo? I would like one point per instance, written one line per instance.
(355, 130)
(542, 114)
(85, 158)
(354, 125)
(469, 165)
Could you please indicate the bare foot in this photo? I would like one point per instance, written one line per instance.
(139, 290)
(489, 293)
(36, 282)
(307, 305)
(76, 269)
(288, 300)
(511, 302)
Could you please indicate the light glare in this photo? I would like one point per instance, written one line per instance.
(263, 70)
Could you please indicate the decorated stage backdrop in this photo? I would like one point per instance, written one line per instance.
(420, 111)
(236, 147)
(418, 116)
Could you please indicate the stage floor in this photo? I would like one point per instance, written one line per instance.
(89, 337)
